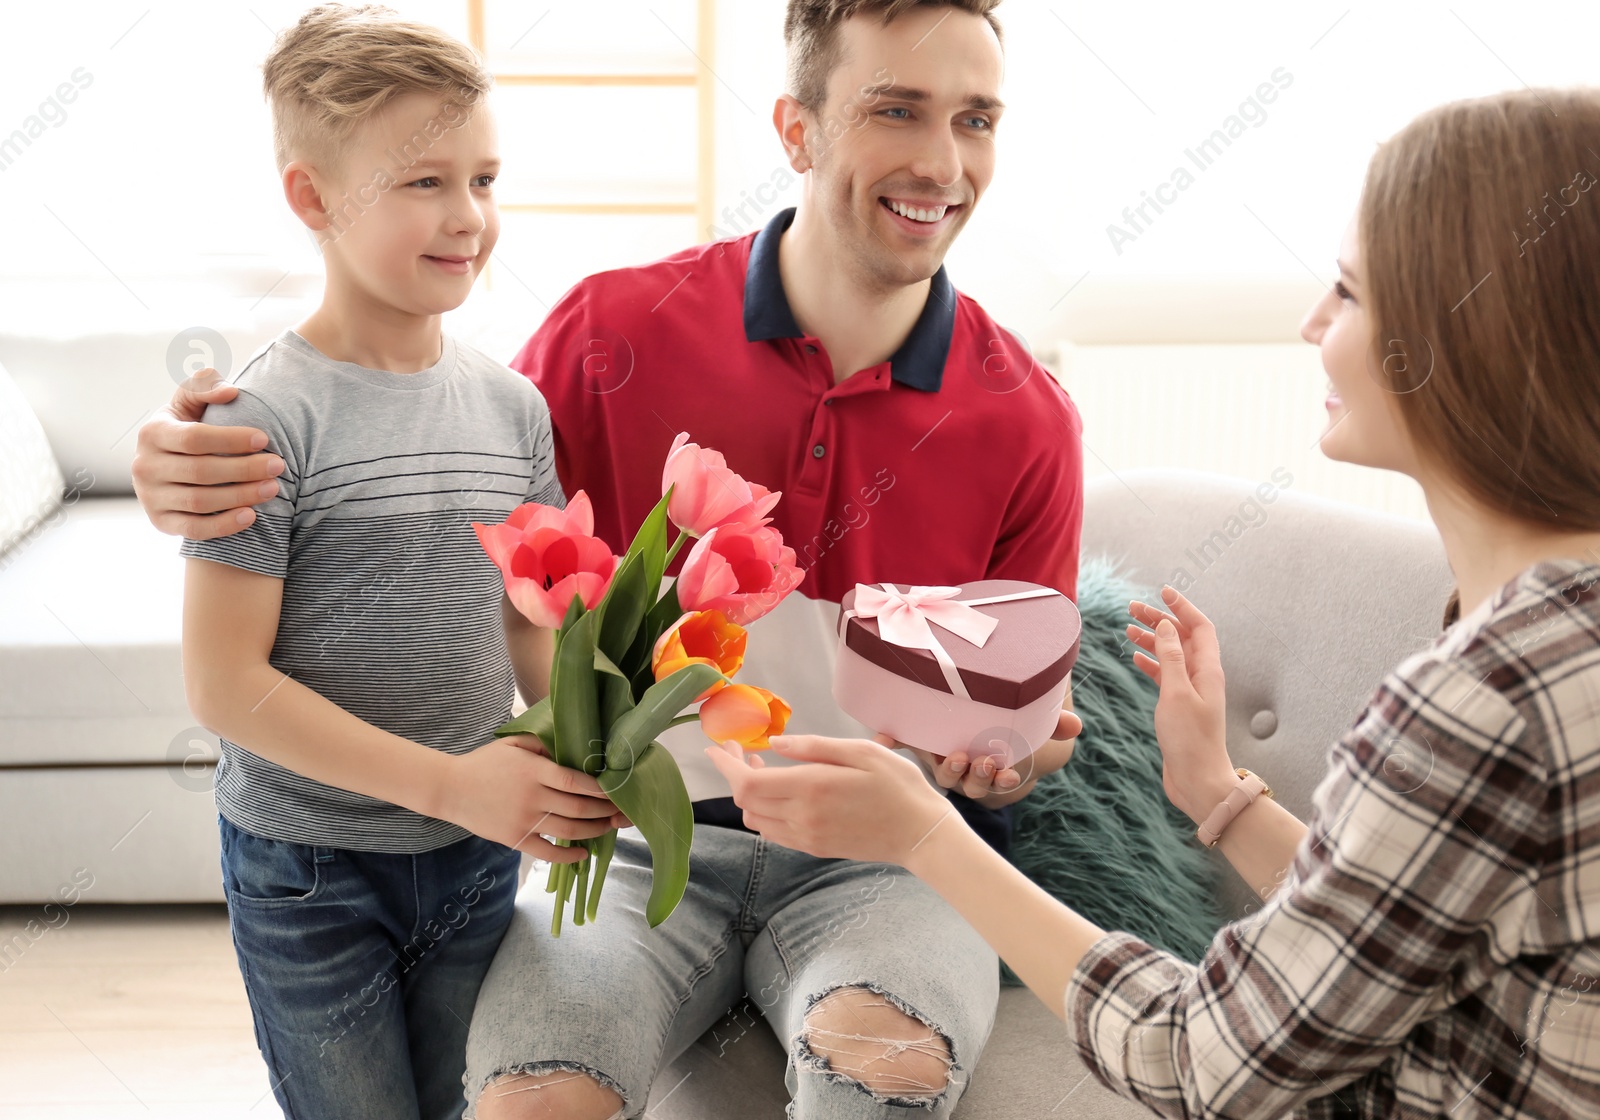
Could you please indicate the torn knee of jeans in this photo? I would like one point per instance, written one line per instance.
(868, 1038)
(537, 1082)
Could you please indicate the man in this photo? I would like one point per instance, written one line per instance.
(915, 441)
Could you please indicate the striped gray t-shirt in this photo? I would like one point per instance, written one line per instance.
(391, 609)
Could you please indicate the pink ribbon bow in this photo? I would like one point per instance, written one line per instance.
(904, 617)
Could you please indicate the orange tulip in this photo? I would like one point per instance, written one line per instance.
(700, 638)
(744, 713)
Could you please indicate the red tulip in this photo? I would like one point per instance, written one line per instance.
(741, 570)
(548, 556)
(746, 714)
(706, 493)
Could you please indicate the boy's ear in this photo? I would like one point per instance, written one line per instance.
(304, 195)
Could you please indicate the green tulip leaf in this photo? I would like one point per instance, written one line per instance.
(652, 794)
(538, 720)
(650, 542)
(575, 610)
(657, 621)
(656, 710)
(623, 608)
(616, 700)
(604, 664)
(575, 700)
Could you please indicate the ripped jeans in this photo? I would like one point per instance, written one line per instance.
(616, 1000)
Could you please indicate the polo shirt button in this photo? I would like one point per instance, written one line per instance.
(817, 452)
(810, 349)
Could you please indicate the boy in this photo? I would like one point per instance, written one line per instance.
(348, 645)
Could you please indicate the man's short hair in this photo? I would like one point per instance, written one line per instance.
(339, 66)
(811, 33)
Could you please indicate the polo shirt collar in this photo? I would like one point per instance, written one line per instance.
(920, 361)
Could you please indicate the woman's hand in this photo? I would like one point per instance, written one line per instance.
(1180, 653)
(861, 801)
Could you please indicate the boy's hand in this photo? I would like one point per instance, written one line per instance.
(198, 480)
(511, 791)
(1180, 653)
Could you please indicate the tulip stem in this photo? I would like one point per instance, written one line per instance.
(606, 846)
(553, 883)
(676, 545)
(561, 902)
(580, 899)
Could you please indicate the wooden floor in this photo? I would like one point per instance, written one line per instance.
(126, 1011)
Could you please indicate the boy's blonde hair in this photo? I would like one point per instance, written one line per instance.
(339, 66)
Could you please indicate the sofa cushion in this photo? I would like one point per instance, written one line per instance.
(1099, 834)
(90, 621)
(121, 833)
(30, 481)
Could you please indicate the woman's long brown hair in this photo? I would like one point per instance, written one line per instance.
(1480, 241)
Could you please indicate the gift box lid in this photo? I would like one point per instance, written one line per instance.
(1034, 646)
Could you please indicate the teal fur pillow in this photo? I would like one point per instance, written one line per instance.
(1099, 834)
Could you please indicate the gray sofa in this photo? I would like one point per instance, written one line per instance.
(102, 767)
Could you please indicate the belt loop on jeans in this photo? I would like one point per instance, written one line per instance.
(324, 855)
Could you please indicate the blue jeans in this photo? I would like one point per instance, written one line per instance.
(616, 1000)
(362, 968)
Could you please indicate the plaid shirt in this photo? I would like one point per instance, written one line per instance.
(1435, 945)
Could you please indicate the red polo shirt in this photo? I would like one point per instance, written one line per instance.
(957, 459)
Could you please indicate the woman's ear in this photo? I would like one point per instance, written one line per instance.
(789, 118)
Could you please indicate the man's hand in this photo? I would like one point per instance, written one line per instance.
(197, 480)
(993, 786)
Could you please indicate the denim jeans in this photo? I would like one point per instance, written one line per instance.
(362, 968)
(616, 1000)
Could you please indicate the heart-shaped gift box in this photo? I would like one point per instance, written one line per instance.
(996, 691)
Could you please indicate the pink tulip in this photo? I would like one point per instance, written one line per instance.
(547, 556)
(741, 570)
(707, 493)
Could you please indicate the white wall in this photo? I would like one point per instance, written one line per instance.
(163, 160)
(150, 202)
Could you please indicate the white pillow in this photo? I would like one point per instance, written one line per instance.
(30, 480)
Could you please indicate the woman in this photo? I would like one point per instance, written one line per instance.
(1424, 950)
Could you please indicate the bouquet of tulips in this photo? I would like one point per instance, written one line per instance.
(629, 659)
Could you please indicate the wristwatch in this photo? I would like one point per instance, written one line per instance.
(1242, 795)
